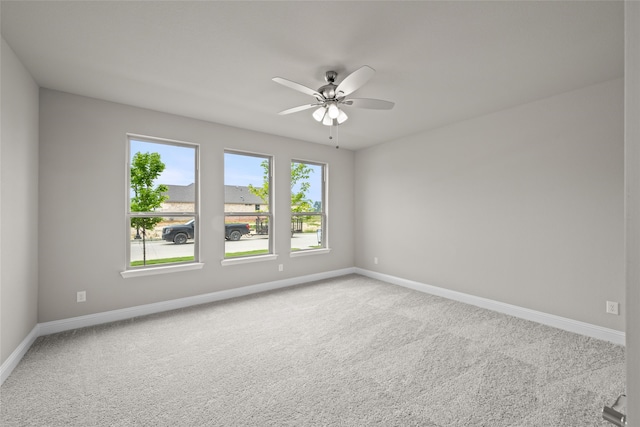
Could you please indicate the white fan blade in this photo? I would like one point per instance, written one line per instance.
(298, 87)
(355, 80)
(373, 104)
(299, 108)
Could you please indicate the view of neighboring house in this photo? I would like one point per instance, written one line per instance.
(237, 198)
(181, 198)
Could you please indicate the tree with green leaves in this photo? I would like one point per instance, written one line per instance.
(300, 172)
(262, 192)
(145, 169)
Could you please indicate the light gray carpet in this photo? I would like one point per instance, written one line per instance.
(350, 351)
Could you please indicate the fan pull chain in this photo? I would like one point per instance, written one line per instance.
(331, 136)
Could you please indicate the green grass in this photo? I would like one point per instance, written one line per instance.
(163, 260)
(191, 258)
(246, 253)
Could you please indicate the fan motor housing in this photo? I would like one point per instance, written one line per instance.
(329, 90)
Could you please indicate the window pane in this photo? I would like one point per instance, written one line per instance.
(306, 232)
(246, 183)
(307, 206)
(162, 240)
(306, 187)
(246, 205)
(168, 167)
(246, 236)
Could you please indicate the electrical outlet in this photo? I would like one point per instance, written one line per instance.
(613, 307)
(375, 259)
(81, 296)
(280, 267)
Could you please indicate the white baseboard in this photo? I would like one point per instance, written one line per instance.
(143, 310)
(582, 328)
(56, 326)
(14, 358)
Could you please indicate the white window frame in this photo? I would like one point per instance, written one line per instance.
(270, 214)
(323, 213)
(136, 271)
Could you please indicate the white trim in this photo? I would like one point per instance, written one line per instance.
(128, 214)
(305, 252)
(62, 325)
(14, 358)
(248, 259)
(582, 328)
(142, 310)
(152, 271)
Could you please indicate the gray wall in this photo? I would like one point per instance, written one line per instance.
(632, 165)
(82, 204)
(524, 206)
(19, 210)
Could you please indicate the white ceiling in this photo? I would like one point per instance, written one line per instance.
(440, 62)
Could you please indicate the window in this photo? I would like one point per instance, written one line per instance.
(247, 205)
(308, 207)
(162, 203)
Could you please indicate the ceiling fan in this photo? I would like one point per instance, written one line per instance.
(331, 97)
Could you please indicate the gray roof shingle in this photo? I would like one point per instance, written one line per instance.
(233, 194)
(238, 194)
(181, 193)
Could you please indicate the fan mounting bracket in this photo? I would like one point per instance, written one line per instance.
(330, 76)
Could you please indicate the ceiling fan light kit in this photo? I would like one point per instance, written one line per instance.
(333, 110)
(330, 97)
(318, 115)
(330, 116)
(342, 117)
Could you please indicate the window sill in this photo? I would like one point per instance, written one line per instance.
(152, 271)
(246, 260)
(310, 252)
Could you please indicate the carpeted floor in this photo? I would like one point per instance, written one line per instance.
(349, 351)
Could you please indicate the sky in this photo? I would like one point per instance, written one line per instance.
(239, 169)
(179, 161)
(243, 170)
